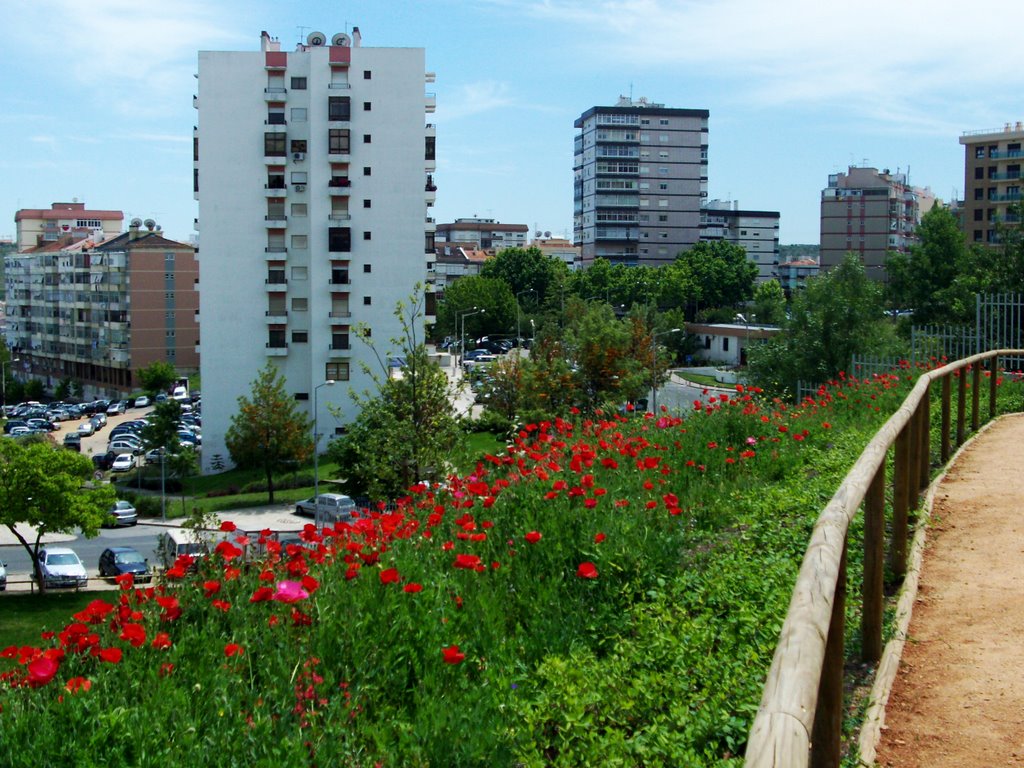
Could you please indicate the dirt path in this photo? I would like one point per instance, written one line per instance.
(958, 699)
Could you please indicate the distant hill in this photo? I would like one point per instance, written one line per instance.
(794, 252)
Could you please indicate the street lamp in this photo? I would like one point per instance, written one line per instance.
(457, 314)
(316, 455)
(462, 336)
(519, 335)
(746, 325)
(654, 368)
(3, 378)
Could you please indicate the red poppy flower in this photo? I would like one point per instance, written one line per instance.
(166, 669)
(310, 584)
(452, 655)
(233, 649)
(125, 581)
(412, 588)
(161, 641)
(598, 538)
(468, 562)
(41, 671)
(228, 527)
(76, 684)
(134, 634)
(211, 588)
(533, 537)
(221, 605)
(111, 655)
(587, 570)
(262, 594)
(390, 576)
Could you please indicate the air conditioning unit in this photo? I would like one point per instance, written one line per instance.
(300, 187)
(298, 156)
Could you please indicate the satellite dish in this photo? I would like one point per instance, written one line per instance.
(341, 39)
(316, 38)
(547, 234)
(150, 224)
(136, 222)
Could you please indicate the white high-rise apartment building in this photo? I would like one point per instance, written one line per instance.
(313, 175)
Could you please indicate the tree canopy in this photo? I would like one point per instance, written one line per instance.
(526, 271)
(49, 489)
(156, 377)
(268, 432)
(492, 295)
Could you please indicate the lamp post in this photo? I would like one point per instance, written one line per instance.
(316, 455)
(3, 378)
(457, 314)
(519, 336)
(462, 336)
(746, 324)
(654, 368)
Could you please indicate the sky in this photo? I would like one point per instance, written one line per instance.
(97, 95)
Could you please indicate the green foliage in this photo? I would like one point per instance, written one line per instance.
(455, 313)
(49, 489)
(67, 387)
(161, 431)
(526, 271)
(268, 431)
(405, 431)
(33, 389)
(838, 315)
(769, 303)
(156, 377)
(719, 274)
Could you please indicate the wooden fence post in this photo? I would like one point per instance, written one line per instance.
(993, 377)
(924, 445)
(900, 502)
(946, 397)
(872, 588)
(826, 735)
(961, 406)
(975, 397)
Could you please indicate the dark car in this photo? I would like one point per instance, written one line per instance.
(12, 423)
(104, 461)
(117, 561)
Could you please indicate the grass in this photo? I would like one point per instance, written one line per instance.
(27, 614)
(703, 380)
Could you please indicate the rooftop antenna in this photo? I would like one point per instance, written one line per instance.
(302, 33)
(631, 91)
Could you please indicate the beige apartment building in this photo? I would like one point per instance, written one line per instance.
(39, 226)
(98, 309)
(992, 180)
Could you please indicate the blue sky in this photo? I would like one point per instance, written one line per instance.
(97, 98)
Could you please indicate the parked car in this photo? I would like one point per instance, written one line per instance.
(117, 561)
(10, 424)
(123, 463)
(103, 461)
(99, 420)
(61, 567)
(3, 575)
(142, 401)
(116, 408)
(86, 428)
(73, 440)
(176, 542)
(122, 514)
(334, 507)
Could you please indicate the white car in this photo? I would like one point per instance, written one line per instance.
(142, 402)
(123, 463)
(3, 575)
(86, 428)
(61, 567)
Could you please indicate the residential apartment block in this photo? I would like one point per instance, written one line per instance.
(39, 226)
(483, 234)
(313, 172)
(640, 175)
(870, 213)
(992, 180)
(757, 232)
(96, 310)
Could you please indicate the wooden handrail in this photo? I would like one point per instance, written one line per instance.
(800, 716)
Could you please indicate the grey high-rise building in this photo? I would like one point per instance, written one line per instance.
(641, 171)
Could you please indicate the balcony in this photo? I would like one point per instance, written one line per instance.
(1008, 176)
(280, 190)
(341, 282)
(275, 221)
(339, 216)
(275, 127)
(275, 252)
(430, 224)
(340, 318)
(275, 285)
(339, 347)
(276, 316)
(278, 160)
(430, 102)
(339, 86)
(275, 94)
(339, 156)
(277, 350)
(339, 187)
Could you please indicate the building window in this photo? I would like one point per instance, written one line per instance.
(300, 177)
(366, 106)
(978, 214)
(663, 122)
(366, 203)
(366, 138)
(431, 143)
(979, 193)
(276, 338)
(298, 83)
(339, 108)
(302, 395)
(276, 117)
(300, 305)
(300, 242)
(300, 337)
(299, 210)
(979, 153)
(663, 185)
(367, 235)
(663, 138)
(707, 342)
(662, 217)
(366, 170)
(339, 239)
(979, 173)
(338, 141)
(298, 145)
(367, 268)
(274, 144)
(662, 171)
(645, 121)
(299, 114)
(339, 340)
(725, 344)
(300, 273)
(366, 74)
(367, 301)
(336, 371)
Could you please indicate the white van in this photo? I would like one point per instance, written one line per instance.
(175, 542)
(180, 394)
(334, 507)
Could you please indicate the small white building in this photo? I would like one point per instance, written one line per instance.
(727, 343)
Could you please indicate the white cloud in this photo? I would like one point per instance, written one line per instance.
(474, 98)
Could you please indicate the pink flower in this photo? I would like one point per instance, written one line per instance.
(289, 592)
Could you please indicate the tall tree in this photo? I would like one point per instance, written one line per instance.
(49, 489)
(493, 296)
(156, 377)
(721, 273)
(161, 430)
(268, 432)
(406, 430)
(525, 270)
(769, 303)
(838, 315)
